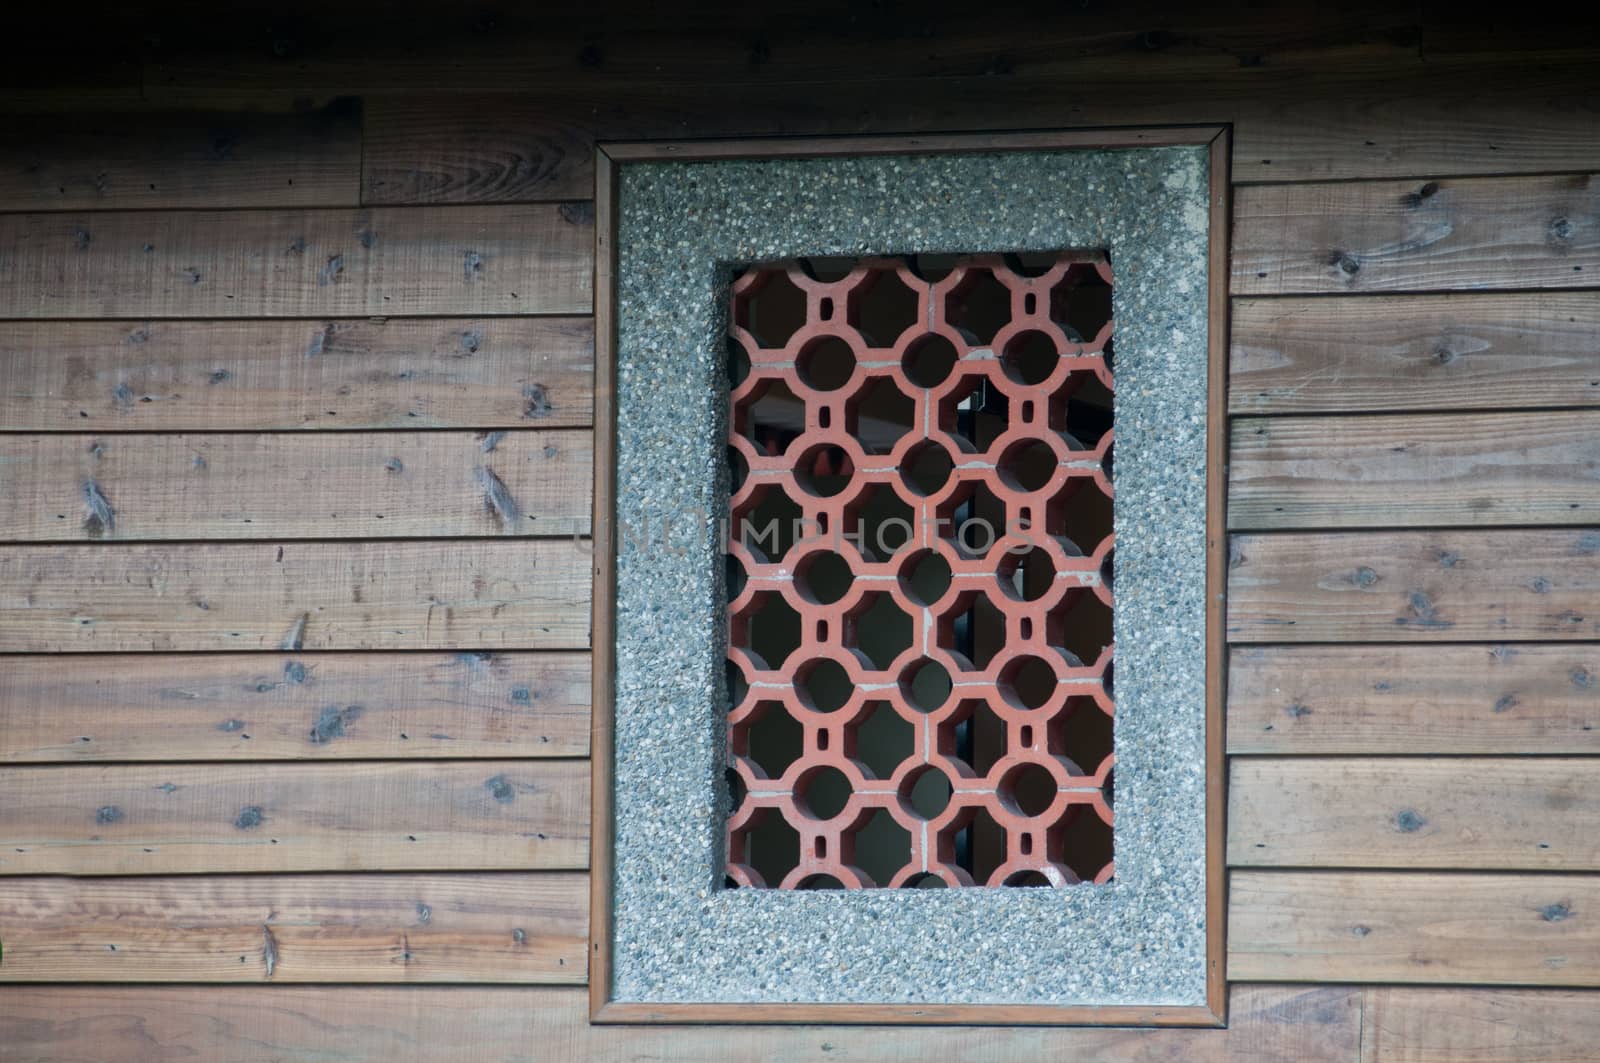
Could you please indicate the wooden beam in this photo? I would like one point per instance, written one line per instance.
(1409, 1024)
(367, 485)
(1507, 813)
(1489, 699)
(402, 1024)
(1417, 235)
(472, 594)
(110, 376)
(323, 706)
(298, 263)
(1415, 352)
(1415, 470)
(195, 159)
(479, 928)
(510, 815)
(1354, 926)
(1403, 586)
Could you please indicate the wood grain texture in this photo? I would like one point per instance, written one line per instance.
(298, 485)
(1414, 699)
(322, 706)
(1405, 586)
(1485, 350)
(534, 259)
(1406, 1024)
(511, 815)
(145, 159)
(1507, 813)
(474, 594)
(1415, 470)
(402, 1024)
(109, 376)
(1355, 926)
(1395, 236)
(481, 928)
(474, 150)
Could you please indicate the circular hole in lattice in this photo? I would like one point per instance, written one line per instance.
(1032, 879)
(771, 739)
(734, 576)
(769, 628)
(926, 684)
(882, 631)
(1028, 465)
(929, 360)
(828, 268)
(824, 685)
(738, 470)
(823, 470)
(980, 305)
(927, 468)
(1108, 569)
(1028, 682)
(881, 846)
(774, 311)
(925, 577)
(738, 365)
(736, 685)
(926, 792)
(926, 881)
(1029, 789)
(826, 364)
(736, 789)
(1030, 357)
(824, 577)
(882, 741)
(883, 415)
(934, 266)
(1028, 576)
(825, 792)
(1087, 843)
(887, 308)
(1032, 263)
(819, 882)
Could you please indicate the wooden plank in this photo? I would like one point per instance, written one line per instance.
(1414, 235)
(1406, 1024)
(484, 594)
(296, 928)
(1404, 586)
(332, 706)
(1414, 699)
(154, 159)
(1353, 926)
(1415, 352)
(511, 815)
(535, 259)
(1508, 813)
(404, 1024)
(495, 150)
(108, 376)
(366, 485)
(1415, 470)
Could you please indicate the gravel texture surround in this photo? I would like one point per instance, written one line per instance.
(679, 937)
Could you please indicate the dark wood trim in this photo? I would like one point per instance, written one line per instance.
(604, 1010)
(603, 596)
(1217, 578)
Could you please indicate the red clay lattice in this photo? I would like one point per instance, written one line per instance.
(908, 655)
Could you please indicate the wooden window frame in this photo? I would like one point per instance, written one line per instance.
(603, 1009)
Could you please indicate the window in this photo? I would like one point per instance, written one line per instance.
(855, 631)
(920, 661)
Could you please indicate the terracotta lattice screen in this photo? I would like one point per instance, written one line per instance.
(919, 572)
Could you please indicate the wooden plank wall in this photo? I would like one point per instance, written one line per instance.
(295, 397)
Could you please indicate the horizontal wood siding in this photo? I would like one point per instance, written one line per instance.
(297, 928)
(301, 706)
(230, 376)
(374, 816)
(509, 594)
(298, 263)
(366, 485)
